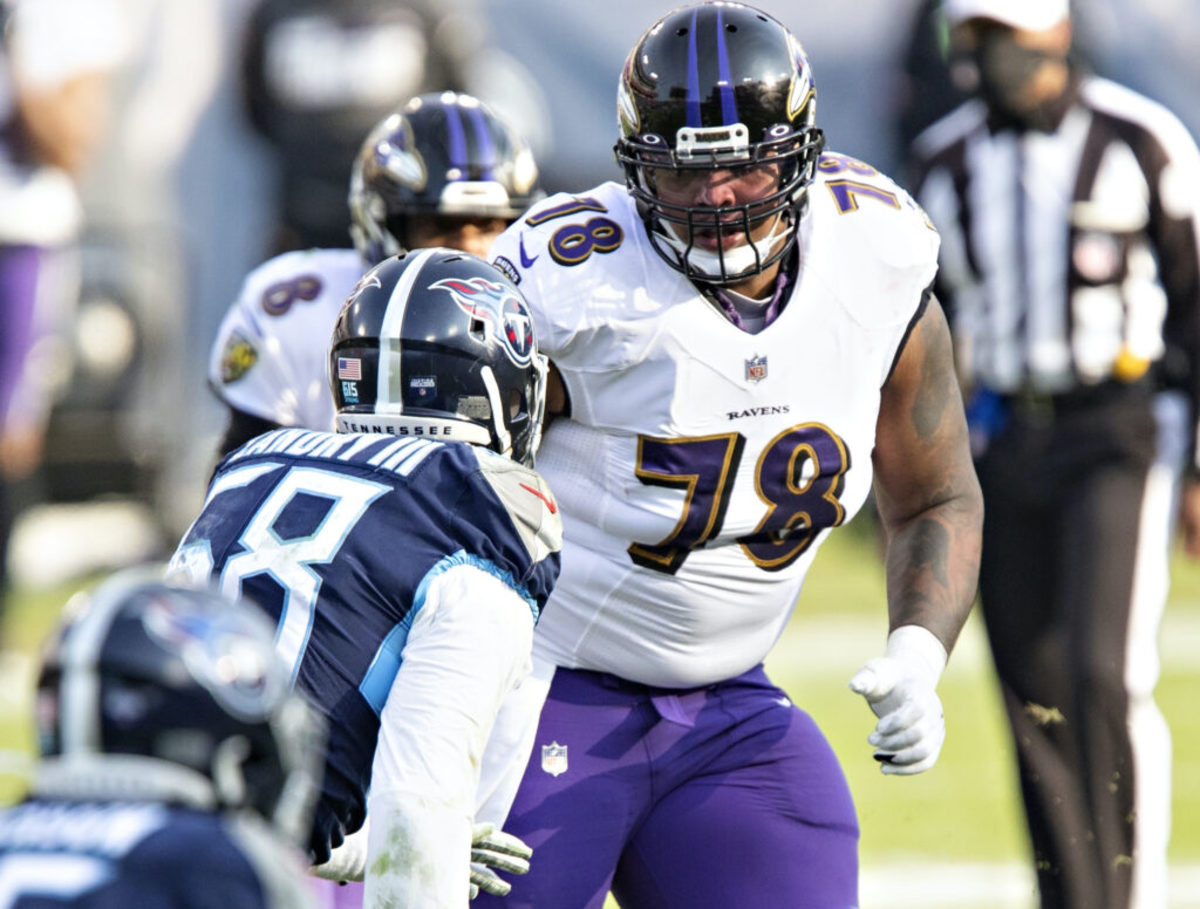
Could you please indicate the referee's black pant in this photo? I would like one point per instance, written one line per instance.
(1073, 582)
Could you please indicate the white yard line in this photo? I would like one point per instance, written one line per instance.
(918, 884)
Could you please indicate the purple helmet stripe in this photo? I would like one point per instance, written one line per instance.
(483, 140)
(457, 140)
(729, 111)
(693, 90)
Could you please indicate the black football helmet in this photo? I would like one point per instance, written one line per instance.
(442, 154)
(142, 668)
(718, 86)
(438, 343)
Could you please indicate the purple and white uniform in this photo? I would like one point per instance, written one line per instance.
(40, 212)
(699, 471)
(269, 357)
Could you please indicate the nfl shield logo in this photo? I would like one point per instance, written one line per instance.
(756, 369)
(554, 759)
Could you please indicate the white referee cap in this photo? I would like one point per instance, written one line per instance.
(1033, 15)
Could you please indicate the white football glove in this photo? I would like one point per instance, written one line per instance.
(900, 687)
(348, 861)
(492, 848)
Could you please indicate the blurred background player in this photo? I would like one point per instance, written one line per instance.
(177, 767)
(442, 171)
(926, 87)
(112, 434)
(318, 74)
(56, 57)
(746, 346)
(405, 559)
(1071, 262)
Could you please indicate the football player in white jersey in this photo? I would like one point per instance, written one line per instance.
(443, 170)
(745, 346)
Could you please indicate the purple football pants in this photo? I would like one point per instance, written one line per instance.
(726, 796)
(330, 895)
(20, 267)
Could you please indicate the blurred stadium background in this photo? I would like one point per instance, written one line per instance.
(178, 208)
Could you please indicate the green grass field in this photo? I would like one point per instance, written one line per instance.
(29, 617)
(967, 807)
(965, 810)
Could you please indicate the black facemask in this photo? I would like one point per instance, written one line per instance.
(1005, 70)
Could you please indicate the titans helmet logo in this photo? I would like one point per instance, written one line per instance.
(224, 653)
(504, 312)
(367, 281)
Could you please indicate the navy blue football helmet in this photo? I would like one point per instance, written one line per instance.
(442, 154)
(143, 668)
(718, 86)
(438, 343)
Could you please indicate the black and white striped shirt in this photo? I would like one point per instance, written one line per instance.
(1069, 257)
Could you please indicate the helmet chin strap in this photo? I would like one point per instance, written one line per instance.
(738, 261)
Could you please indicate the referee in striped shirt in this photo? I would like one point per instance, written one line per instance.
(1070, 266)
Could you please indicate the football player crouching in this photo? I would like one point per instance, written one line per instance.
(404, 566)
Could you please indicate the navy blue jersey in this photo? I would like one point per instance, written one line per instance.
(116, 855)
(337, 537)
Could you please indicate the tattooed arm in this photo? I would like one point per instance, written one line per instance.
(925, 486)
(932, 511)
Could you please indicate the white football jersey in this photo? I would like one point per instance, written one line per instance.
(702, 466)
(270, 358)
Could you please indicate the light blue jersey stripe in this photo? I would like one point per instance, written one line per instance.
(380, 675)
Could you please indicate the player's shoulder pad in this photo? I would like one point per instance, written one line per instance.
(277, 281)
(565, 253)
(527, 497)
(255, 321)
(93, 824)
(256, 867)
(877, 235)
(563, 232)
